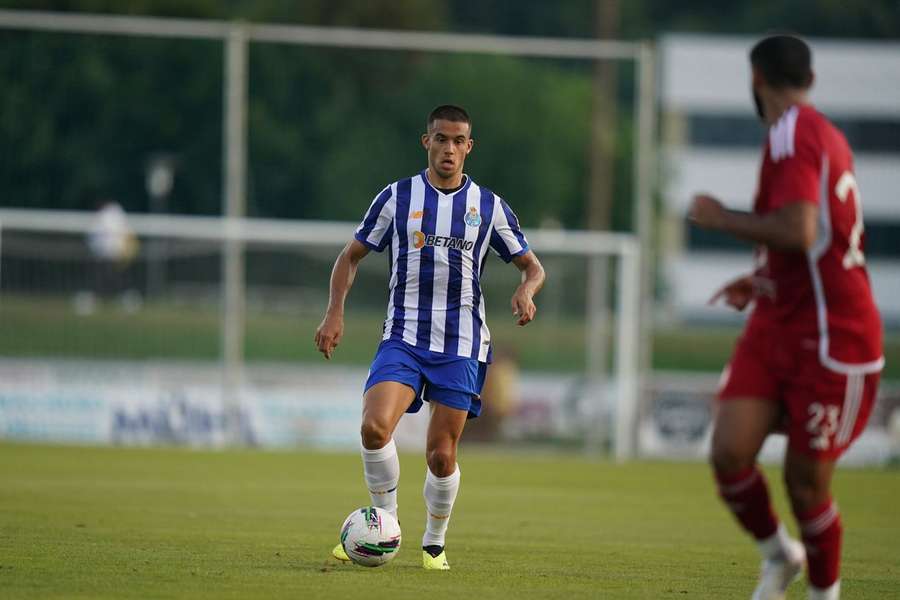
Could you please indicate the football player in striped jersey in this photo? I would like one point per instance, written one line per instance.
(437, 226)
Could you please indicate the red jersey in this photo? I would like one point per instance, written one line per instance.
(823, 294)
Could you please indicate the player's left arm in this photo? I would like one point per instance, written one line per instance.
(532, 280)
(790, 227)
(508, 241)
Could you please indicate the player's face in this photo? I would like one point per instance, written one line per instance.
(447, 143)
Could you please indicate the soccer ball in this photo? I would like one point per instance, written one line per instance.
(370, 536)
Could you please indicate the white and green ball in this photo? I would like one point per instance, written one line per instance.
(370, 536)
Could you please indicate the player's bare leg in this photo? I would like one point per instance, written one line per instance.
(808, 484)
(383, 406)
(741, 426)
(441, 480)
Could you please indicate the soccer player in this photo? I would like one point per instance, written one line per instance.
(437, 226)
(809, 360)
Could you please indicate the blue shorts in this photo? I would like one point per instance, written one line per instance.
(453, 381)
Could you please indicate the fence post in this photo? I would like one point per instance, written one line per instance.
(627, 351)
(644, 177)
(596, 345)
(234, 167)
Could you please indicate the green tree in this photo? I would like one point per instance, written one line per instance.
(81, 114)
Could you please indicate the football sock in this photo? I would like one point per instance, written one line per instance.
(821, 530)
(382, 471)
(440, 493)
(778, 545)
(747, 495)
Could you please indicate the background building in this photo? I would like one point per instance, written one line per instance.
(712, 138)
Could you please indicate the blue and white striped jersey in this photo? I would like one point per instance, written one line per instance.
(438, 246)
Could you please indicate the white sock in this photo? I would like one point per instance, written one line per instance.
(382, 470)
(833, 592)
(440, 493)
(778, 545)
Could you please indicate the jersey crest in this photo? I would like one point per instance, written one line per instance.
(473, 219)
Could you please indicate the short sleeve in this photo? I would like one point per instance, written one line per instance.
(507, 238)
(796, 164)
(377, 226)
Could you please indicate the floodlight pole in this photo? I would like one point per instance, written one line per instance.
(234, 168)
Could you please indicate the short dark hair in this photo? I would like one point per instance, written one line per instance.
(448, 112)
(785, 61)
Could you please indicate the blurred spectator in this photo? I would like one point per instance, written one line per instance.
(113, 246)
(500, 398)
(111, 240)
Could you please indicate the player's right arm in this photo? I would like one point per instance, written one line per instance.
(330, 331)
(790, 220)
(374, 233)
(788, 227)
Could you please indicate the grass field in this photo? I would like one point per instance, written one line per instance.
(139, 523)
(40, 327)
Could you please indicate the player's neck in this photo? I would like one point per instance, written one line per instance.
(444, 183)
(779, 103)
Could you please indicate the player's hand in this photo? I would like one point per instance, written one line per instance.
(706, 211)
(329, 334)
(740, 292)
(523, 306)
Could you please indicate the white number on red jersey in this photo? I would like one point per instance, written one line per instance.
(822, 424)
(846, 184)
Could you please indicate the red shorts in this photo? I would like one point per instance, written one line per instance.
(824, 410)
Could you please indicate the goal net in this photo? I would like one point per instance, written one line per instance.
(131, 348)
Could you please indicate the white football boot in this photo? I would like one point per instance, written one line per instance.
(831, 593)
(778, 573)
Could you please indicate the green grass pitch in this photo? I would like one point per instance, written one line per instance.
(150, 523)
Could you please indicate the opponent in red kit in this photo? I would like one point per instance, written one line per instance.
(809, 360)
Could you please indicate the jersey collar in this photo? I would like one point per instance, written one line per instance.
(466, 182)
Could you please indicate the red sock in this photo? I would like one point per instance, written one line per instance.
(747, 495)
(821, 530)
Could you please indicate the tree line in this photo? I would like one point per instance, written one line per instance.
(81, 115)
